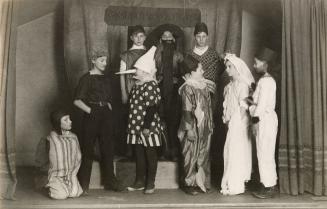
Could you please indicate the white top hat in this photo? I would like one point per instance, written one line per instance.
(146, 62)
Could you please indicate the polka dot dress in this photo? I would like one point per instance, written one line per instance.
(142, 97)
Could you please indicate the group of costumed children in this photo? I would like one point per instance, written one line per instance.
(145, 128)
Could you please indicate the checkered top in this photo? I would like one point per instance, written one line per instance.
(209, 61)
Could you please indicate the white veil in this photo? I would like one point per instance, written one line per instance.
(241, 68)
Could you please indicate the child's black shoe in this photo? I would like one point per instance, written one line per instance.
(137, 186)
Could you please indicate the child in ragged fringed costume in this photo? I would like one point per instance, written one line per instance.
(196, 127)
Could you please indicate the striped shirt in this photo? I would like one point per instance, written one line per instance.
(153, 140)
(65, 160)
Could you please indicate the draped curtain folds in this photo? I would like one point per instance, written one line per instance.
(303, 128)
(228, 26)
(7, 99)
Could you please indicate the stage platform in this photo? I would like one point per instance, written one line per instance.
(166, 178)
(27, 198)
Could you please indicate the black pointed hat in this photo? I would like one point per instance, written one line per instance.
(266, 54)
(201, 27)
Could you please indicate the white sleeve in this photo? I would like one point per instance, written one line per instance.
(244, 93)
(123, 89)
(122, 65)
(265, 86)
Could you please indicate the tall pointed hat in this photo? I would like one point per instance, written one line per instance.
(147, 62)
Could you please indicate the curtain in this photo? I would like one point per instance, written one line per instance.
(7, 99)
(228, 27)
(303, 128)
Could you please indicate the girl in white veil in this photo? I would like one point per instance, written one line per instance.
(237, 149)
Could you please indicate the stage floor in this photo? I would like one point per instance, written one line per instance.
(27, 198)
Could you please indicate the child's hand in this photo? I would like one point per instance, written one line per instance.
(146, 132)
(109, 105)
(249, 100)
(255, 120)
(210, 85)
(124, 99)
(255, 128)
(191, 135)
(159, 78)
(186, 76)
(211, 88)
(253, 86)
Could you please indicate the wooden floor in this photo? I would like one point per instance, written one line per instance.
(27, 198)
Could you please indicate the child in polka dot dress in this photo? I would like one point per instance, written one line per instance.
(144, 125)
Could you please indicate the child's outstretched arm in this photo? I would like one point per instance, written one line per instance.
(124, 94)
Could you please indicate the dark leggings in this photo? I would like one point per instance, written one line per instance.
(97, 125)
(146, 165)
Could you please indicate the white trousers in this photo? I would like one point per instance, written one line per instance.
(266, 133)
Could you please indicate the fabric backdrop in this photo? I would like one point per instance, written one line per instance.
(8, 22)
(303, 134)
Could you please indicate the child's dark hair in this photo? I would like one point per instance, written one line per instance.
(189, 64)
(55, 118)
(137, 29)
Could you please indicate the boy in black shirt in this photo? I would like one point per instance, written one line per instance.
(93, 97)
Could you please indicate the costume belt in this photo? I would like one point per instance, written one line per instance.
(100, 104)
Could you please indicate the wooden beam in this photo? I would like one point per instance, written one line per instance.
(149, 16)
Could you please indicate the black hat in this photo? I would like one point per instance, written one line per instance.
(265, 54)
(55, 118)
(155, 35)
(137, 29)
(200, 27)
(174, 29)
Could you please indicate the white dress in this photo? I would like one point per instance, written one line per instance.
(237, 149)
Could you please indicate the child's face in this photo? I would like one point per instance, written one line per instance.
(201, 39)
(100, 63)
(138, 38)
(65, 123)
(140, 73)
(167, 36)
(198, 74)
(260, 66)
(231, 70)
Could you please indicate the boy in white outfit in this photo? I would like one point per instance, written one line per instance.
(265, 123)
